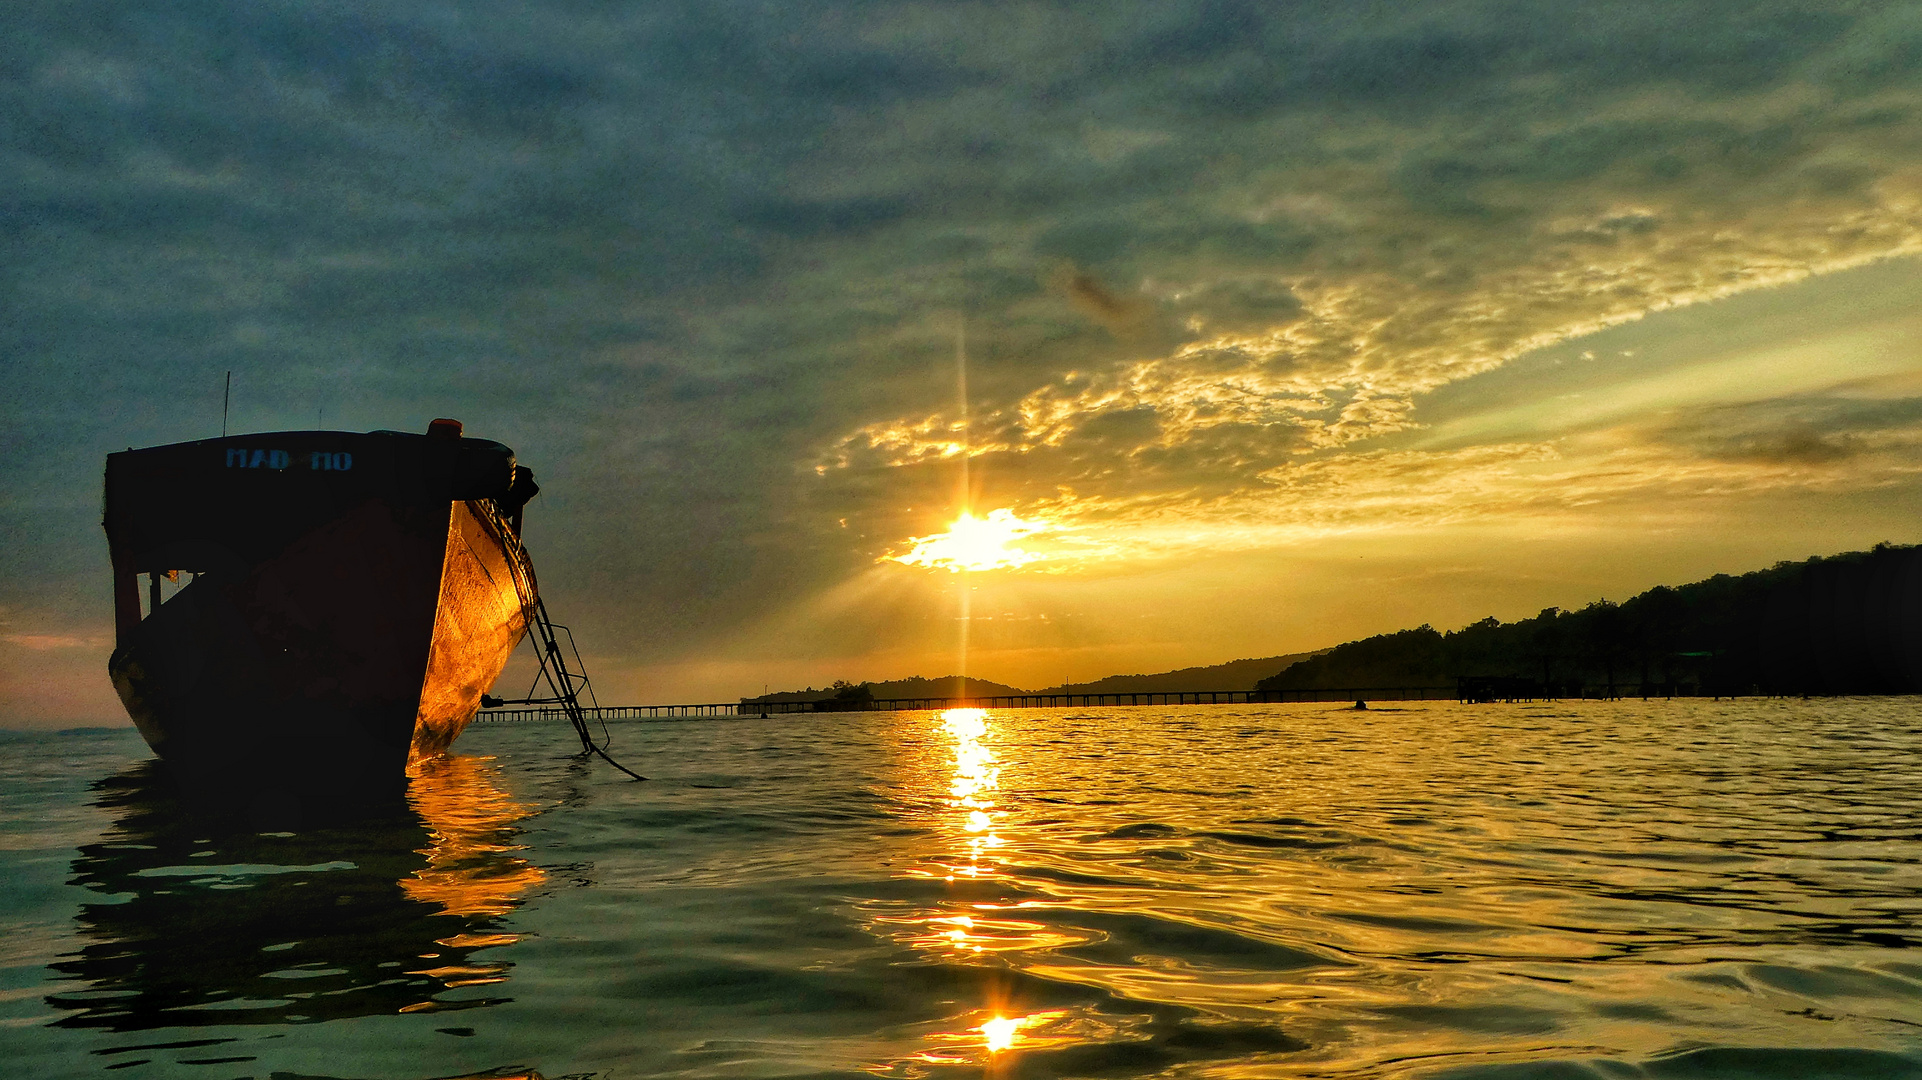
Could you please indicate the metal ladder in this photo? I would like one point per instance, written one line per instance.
(565, 682)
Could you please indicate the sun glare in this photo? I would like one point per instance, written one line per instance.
(999, 1032)
(973, 543)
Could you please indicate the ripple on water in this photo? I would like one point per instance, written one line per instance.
(1663, 889)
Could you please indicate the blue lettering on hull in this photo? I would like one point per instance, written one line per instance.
(278, 460)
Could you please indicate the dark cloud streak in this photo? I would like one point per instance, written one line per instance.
(677, 253)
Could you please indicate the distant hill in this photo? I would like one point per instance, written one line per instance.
(948, 686)
(1845, 624)
(1233, 675)
(1841, 624)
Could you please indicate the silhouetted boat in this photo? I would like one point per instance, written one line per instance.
(339, 602)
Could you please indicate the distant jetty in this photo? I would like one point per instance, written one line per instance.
(1011, 701)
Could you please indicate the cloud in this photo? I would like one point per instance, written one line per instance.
(1409, 245)
(44, 642)
(1527, 485)
(1118, 313)
(1367, 345)
(1799, 445)
(701, 262)
(1807, 430)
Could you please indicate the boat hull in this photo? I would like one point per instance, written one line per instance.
(481, 616)
(333, 630)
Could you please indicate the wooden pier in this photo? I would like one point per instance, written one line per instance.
(1018, 701)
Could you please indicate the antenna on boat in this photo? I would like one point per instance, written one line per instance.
(226, 397)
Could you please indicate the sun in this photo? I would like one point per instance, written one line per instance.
(973, 543)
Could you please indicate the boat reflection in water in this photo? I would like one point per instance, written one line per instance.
(195, 926)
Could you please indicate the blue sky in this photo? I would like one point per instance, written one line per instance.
(1287, 322)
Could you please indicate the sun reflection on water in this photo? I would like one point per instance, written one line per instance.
(971, 928)
(976, 779)
(998, 1034)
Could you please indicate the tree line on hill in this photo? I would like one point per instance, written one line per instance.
(1233, 675)
(860, 694)
(1845, 624)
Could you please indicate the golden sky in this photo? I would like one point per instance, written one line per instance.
(1259, 329)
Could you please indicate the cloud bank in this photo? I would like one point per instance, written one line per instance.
(704, 264)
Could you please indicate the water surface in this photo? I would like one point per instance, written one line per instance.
(1664, 889)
